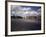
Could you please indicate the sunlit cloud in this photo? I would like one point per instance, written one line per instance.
(25, 11)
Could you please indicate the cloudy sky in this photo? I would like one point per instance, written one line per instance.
(25, 10)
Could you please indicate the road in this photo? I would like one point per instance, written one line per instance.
(24, 25)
